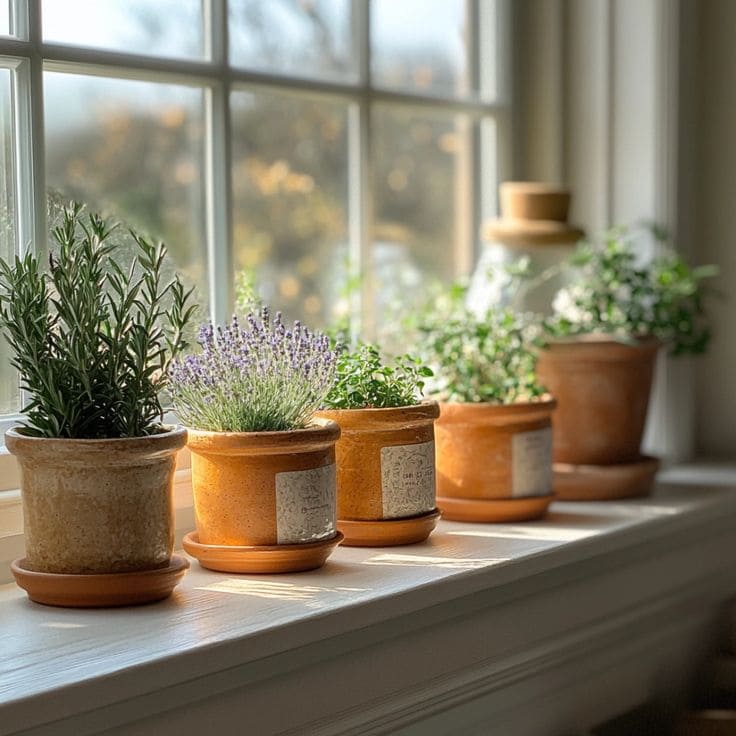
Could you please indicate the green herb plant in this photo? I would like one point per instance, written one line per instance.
(612, 293)
(92, 341)
(478, 358)
(365, 381)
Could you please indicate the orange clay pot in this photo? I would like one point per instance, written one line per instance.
(264, 488)
(491, 452)
(603, 388)
(386, 467)
(97, 506)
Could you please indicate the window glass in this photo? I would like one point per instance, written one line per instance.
(293, 37)
(172, 28)
(290, 193)
(4, 17)
(133, 150)
(9, 391)
(420, 191)
(420, 49)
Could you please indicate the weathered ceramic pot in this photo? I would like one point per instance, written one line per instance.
(97, 506)
(603, 388)
(385, 470)
(264, 488)
(494, 462)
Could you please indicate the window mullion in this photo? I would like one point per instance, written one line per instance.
(218, 181)
(29, 138)
(361, 183)
(472, 144)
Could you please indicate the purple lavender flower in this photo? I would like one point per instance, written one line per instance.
(255, 376)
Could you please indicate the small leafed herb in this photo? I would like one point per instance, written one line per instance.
(489, 358)
(92, 341)
(253, 377)
(611, 293)
(364, 381)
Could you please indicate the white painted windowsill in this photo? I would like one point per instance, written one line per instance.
(500, 622)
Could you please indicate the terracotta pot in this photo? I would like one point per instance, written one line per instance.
(603, 388)
(97, 506)
(385, 461)
(492, 451)
(264, 488)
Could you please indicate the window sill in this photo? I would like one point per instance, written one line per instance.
(482, 619)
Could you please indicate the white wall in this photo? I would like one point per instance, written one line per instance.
(621, 127)
(632, 103)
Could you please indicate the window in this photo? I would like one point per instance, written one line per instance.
(287, 143)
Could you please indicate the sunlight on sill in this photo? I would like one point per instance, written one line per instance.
(61, 625)
(535, 533)
(449, 563)
(629, 509)
(274, 590)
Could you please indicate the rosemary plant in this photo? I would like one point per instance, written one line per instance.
(364, 381)
(253, 377)
(92, 341)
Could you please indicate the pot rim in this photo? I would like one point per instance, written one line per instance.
(172, 439)
(319, 434)
(425, 411)
(602, 339)
(459, 411)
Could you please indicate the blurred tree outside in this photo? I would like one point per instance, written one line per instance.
(290, 173)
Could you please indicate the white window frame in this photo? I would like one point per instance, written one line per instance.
(29, 56)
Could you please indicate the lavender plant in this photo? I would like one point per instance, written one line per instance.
(253, 377)
(92, 341)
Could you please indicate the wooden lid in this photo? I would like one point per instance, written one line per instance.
(532, 200)
(532, 213)
(530, 232)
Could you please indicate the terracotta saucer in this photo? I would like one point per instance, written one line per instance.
(103, 590)
(388, 532)
(494, 509)
(605, 482)
(276, 558)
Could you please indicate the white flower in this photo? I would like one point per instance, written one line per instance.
(564, 305)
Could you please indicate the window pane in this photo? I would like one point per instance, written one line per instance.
(421, 191)
(171, 28)
(290, 170)
(420, 49)
(7, 169)
(4, 17)
(133, 150)
(293, 37)
(9, 393)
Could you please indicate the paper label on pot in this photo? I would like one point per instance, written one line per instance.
(407, 479)
(305, 505)
(531, 473)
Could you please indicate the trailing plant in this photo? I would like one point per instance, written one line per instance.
(92, 341)
(365, 381)
(253, 377)
(246, 293)
(613, 294)
(479, 358)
